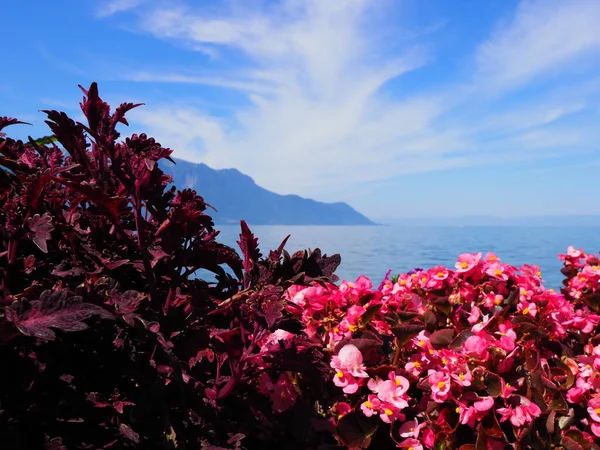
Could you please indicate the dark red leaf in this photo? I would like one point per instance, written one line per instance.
(441, 338)
(251, 254)
(356, 430)
(41, 227)
(54, 311)
(405, 333)
(129, 433)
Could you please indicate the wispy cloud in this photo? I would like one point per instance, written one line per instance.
(242, 85)
(110, 7)
(544, 37)
(319, 118)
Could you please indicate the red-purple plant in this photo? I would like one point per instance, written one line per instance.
(480, 357)
(107, 339)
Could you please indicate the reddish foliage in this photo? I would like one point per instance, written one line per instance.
(107, 339)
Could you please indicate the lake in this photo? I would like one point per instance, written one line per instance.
(372, 250)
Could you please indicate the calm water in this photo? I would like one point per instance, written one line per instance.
(371, 251)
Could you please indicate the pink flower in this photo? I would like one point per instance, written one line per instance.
(573, 253)
(411, 429)
(272, 342)
(527, 309)
(576, 395)
(362, 283)
(349, 366)
(491, 257)
(350, 359)
(477, 346)
(439, 273)
(483, 404)
(389, 413)
(507, 336)
(479, 327)
(467, 261)
(410, 444)
(371, 405)
(394, 392)
(428, 437)
(346, 381)
(440, 385)
(474, 315)
(282, 393)
(521, 415)
(594, 409)
(463, 378)
(497, 270)
(416, 364)
(342, 408)
(492, 300)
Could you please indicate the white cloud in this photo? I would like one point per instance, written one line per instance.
(111, 7)
(318, 120)
(544, 37)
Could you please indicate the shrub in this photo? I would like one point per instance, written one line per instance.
(107, 340)
(480, 357)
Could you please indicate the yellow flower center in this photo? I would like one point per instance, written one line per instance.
(402, 282)
(538, 273)
(421, 343)
(388, 412)
(498, 301)
(444, 361)
(350, 285)
(526, 311)
(340, 374)
(498, 272)
(423, 280)
(440, 274)
(461, 377)
(353, 328)
(492, 258)
(464, 265)
(336, 330)
(368, 404)
(597, 410)
(417, 364)
(431, 351)
(398, 381)
(457, 410)
(441, 384)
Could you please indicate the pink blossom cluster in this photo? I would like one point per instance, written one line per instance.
(483, 350)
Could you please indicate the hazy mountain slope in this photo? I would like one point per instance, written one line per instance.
(236, 196)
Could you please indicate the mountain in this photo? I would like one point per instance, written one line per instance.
(236, 196)
(493, 221)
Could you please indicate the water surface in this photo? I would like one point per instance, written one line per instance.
(372, 250)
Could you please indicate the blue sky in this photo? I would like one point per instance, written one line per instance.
(402, 108)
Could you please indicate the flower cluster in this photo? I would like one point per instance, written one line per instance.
(481, 353)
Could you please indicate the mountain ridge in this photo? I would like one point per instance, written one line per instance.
(236, 196)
